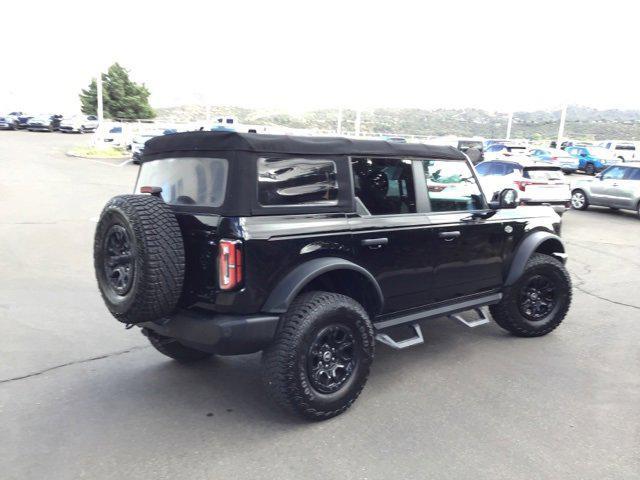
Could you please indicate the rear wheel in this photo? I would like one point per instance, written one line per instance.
(579, 200)
(174, 349)
(538, 302)
(319, 362)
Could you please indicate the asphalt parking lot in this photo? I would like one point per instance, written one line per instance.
(81, 397)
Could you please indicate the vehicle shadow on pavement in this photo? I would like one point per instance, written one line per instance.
(228, 391)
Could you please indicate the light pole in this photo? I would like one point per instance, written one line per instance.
(563, 118)
(509, 123)
(99, 92)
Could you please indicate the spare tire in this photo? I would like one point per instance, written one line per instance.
(138, 256)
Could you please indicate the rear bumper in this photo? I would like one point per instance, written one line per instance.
(217, 333)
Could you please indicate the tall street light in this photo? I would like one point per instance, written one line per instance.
(99, 91)
(563, 118)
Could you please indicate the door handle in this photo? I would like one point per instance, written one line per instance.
(615, 185)
(448, 236)
(374, 243)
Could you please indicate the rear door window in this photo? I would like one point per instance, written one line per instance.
(385, 186)
(634, 174)
(297, 181)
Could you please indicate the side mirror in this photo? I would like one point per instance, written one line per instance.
(599, 176)
(507, 198)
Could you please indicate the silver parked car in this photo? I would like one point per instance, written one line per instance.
(618, 186)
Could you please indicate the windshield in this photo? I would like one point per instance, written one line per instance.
(186, 181)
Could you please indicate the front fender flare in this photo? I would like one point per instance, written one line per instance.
(293, 282)
(527, 247)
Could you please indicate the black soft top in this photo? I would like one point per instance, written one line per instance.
(286, 144)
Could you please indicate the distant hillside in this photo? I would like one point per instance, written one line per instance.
(582, 123)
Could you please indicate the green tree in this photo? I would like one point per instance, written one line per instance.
(121, 97)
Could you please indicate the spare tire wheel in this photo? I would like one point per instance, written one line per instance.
(138, 257)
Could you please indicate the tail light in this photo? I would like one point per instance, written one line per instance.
(229, 264)
(523, 184)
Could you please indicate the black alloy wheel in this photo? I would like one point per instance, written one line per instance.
(118, 259)
(537, 298)
(332, 358)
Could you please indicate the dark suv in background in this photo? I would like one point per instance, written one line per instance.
(312, 248)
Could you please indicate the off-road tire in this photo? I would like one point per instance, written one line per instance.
(585, 205)
(285, 361)
(158, 256)
(590, 169)
(507, 313)
(174, 349)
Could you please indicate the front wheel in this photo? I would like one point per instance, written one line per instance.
(579, 200)
(538, 302)
(319, 361)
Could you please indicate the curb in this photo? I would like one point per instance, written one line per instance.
(77, 155)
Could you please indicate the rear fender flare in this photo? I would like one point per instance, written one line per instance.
(537, 241)
(293, 282)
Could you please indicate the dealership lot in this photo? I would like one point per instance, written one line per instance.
(80, 397)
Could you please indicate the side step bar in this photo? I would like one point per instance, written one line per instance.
(399, 345)
(482, 319)
(443, 311)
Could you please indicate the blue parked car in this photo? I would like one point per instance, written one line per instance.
(557, 157)
(592, 159)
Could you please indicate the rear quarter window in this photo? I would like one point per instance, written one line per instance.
(297, 181)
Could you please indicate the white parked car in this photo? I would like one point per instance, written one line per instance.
(79, 124)
(537, 183)
(625, 151)
(137, 144)
(499, 151)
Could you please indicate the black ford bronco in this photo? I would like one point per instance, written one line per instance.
(310, 249)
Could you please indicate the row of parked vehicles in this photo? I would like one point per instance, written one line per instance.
(538, 174)
(49, 122)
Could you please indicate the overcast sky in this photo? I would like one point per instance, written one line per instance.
(299, 55)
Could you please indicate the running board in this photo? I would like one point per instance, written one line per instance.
(443, 311)
(483, 317)
(399, 345)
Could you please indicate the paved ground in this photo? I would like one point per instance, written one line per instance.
(80, 397)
